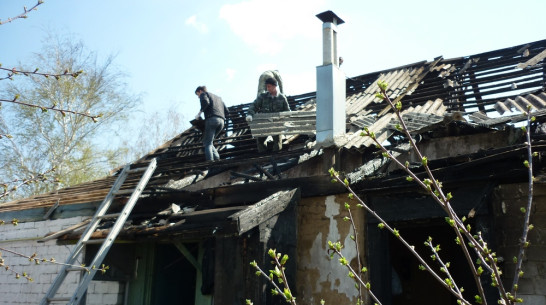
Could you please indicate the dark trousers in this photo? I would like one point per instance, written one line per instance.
(213, 127)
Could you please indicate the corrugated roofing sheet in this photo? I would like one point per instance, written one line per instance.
(467, 84)
(399, 82)
(381, 126)
(521, 103)
(286, 123)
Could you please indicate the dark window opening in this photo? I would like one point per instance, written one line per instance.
(174, 276)
(413, 286)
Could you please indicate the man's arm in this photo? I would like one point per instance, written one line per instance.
(205, 102)
(255, 106)
(286, 107)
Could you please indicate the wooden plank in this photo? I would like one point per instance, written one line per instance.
(264, 209)
(51, 210)
(533, 61)
(65, 231)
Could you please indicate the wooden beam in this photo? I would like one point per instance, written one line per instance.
(265, 172)
(241, 175)
(65, 231)
(51, 210)
(533, 61)
(180, 246)
(264, 209)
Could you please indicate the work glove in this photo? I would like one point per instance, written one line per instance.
(249, 118)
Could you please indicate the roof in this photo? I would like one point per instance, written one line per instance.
(473, 90)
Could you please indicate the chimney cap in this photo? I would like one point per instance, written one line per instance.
(330, 16)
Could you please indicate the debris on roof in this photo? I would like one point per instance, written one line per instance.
(441, 93)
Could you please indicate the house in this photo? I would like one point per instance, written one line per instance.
(198, 225)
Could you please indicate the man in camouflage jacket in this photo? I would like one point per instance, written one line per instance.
(270, 101)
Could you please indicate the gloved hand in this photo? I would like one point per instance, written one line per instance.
(249, 118)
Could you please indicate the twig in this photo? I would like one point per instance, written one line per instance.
(57, 76)
(12, 186)
(277, 273)
(384, 225)
(524, 243)
(45, 109)
(24, 14)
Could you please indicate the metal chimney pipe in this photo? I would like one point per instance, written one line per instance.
(331, 93)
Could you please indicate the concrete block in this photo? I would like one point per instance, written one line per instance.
(526, 286)
(540, 286)
(530, 268)
(111, 299)
(533, 299)
(101, 287)
(115, 287)
(36, 288)
(94, 299)
(536, 253)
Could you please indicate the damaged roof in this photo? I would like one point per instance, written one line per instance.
(477, 91)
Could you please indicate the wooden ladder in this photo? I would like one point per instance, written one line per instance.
(106, 243)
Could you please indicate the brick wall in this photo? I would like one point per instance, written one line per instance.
(23, 239)
(507, 201)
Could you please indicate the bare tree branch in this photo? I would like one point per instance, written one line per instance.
(45, 109)
(24, 14)
(14, 71)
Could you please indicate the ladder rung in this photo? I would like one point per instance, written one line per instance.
(123, 192)
(94, 241)
(74, 269)
(65, 299)
(137, 170)
(108, 216)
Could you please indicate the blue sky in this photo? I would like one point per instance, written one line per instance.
(170, 47)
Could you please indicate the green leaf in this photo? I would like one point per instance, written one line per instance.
(382, 85)
(284, 259)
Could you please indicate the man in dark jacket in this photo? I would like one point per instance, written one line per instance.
(270, 101)
(215, 115)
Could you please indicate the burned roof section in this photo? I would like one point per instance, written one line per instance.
(443, 97)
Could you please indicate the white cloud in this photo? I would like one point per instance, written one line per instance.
(230, 73)
(201, 27)
(299, 83)
(267, 26)
(264, 67)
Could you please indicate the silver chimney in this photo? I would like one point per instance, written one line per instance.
(330, 85)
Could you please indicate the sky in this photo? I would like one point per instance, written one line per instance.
(169, 47)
